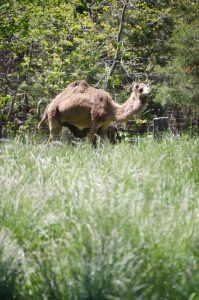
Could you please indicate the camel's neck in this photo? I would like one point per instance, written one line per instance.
(131, 107)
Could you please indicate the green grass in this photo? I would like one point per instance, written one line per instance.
(120, 222)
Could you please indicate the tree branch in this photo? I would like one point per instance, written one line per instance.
(112, 68)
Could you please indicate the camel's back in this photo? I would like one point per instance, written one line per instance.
(76, 87)
(81, 98)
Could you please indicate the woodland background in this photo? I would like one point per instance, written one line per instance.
(110, 223)
(46, 44)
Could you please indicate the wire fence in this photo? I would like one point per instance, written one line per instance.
(157, 126)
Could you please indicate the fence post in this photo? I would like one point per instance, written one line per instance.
(160, 125)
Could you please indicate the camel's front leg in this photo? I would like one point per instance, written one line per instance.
(103, 133)
(92, 132)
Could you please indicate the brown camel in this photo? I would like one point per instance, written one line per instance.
(81, 86)
(84, 106)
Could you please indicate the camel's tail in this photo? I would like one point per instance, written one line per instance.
(44, 118)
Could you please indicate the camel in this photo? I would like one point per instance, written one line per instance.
(80, 86)
(84, 106)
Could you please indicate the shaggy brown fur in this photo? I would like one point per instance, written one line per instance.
(84, 106)
(80, 86)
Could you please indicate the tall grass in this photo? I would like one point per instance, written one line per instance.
(114, 223)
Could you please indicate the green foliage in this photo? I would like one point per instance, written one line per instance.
(181, 75)
(47, 44)
(11, 266)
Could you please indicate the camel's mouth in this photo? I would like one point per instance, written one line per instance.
(141, 89)
(145, 90)
(144, 95)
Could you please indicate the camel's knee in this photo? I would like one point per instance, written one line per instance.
(53, 135)
(113, 134)
(92, 133)
(91, 138)
(54, 128)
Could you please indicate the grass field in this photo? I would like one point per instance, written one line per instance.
(115, 223)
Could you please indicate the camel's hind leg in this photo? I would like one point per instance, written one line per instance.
(44, 118)
(55, 128)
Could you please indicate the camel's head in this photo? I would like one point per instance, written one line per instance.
(141, 89)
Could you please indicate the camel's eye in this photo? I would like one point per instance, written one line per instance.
(137, 86)
(141, 90)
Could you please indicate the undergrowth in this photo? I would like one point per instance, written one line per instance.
(120, 222)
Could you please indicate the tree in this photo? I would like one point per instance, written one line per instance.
(45, 44)
(181, 74)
